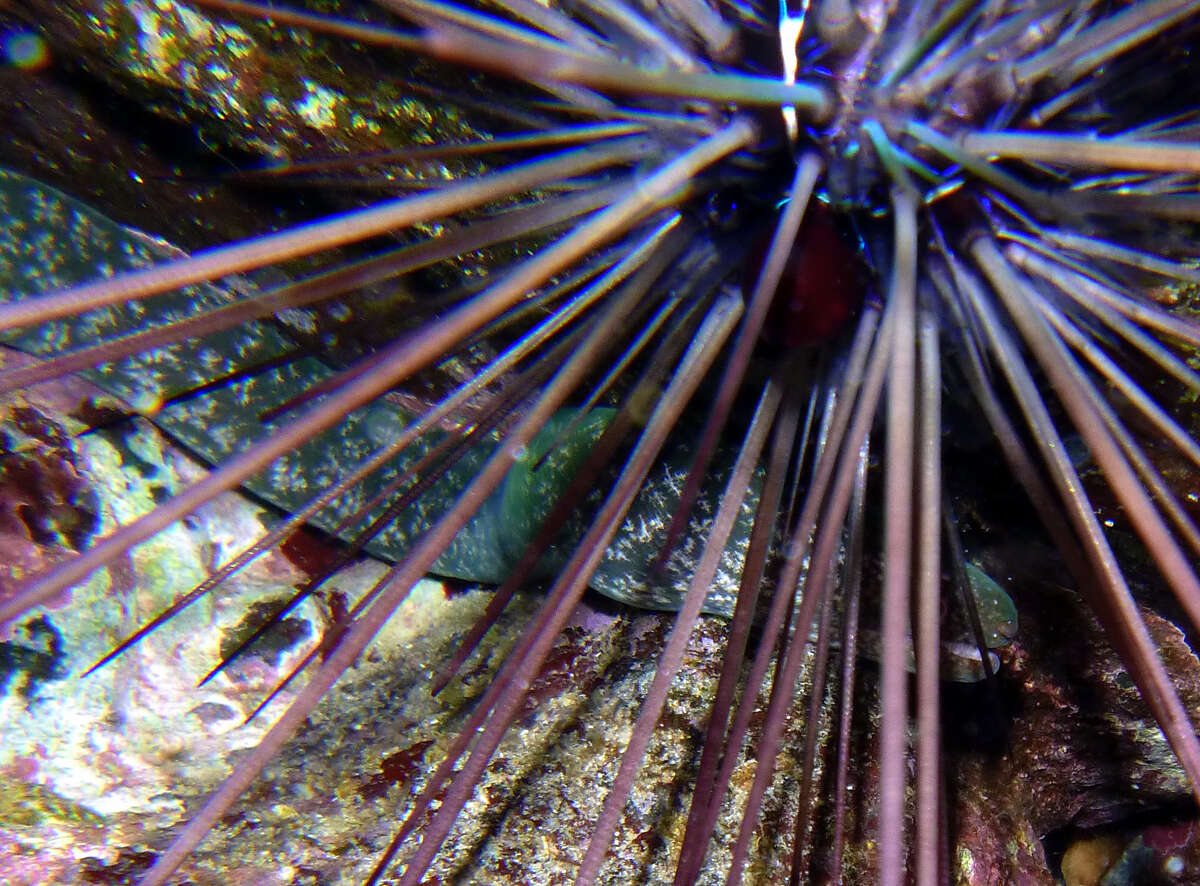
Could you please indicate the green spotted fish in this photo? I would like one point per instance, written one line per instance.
(50, 241)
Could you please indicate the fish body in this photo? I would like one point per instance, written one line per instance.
(172, 385)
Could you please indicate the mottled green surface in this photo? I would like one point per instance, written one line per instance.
(997, 612)
(51, 241)
(626, 573)
(269, 91)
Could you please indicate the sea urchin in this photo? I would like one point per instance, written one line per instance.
(986, 194)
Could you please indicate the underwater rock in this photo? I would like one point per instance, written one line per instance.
(93, 762)
(1065, 741)
(249, 87)
(103, 765)
(1158, 855)
(106, 764)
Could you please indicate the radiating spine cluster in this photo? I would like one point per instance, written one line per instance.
(963, 129)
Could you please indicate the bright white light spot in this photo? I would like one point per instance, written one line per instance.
(317, 106)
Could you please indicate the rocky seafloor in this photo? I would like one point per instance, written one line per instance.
(101, 767)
